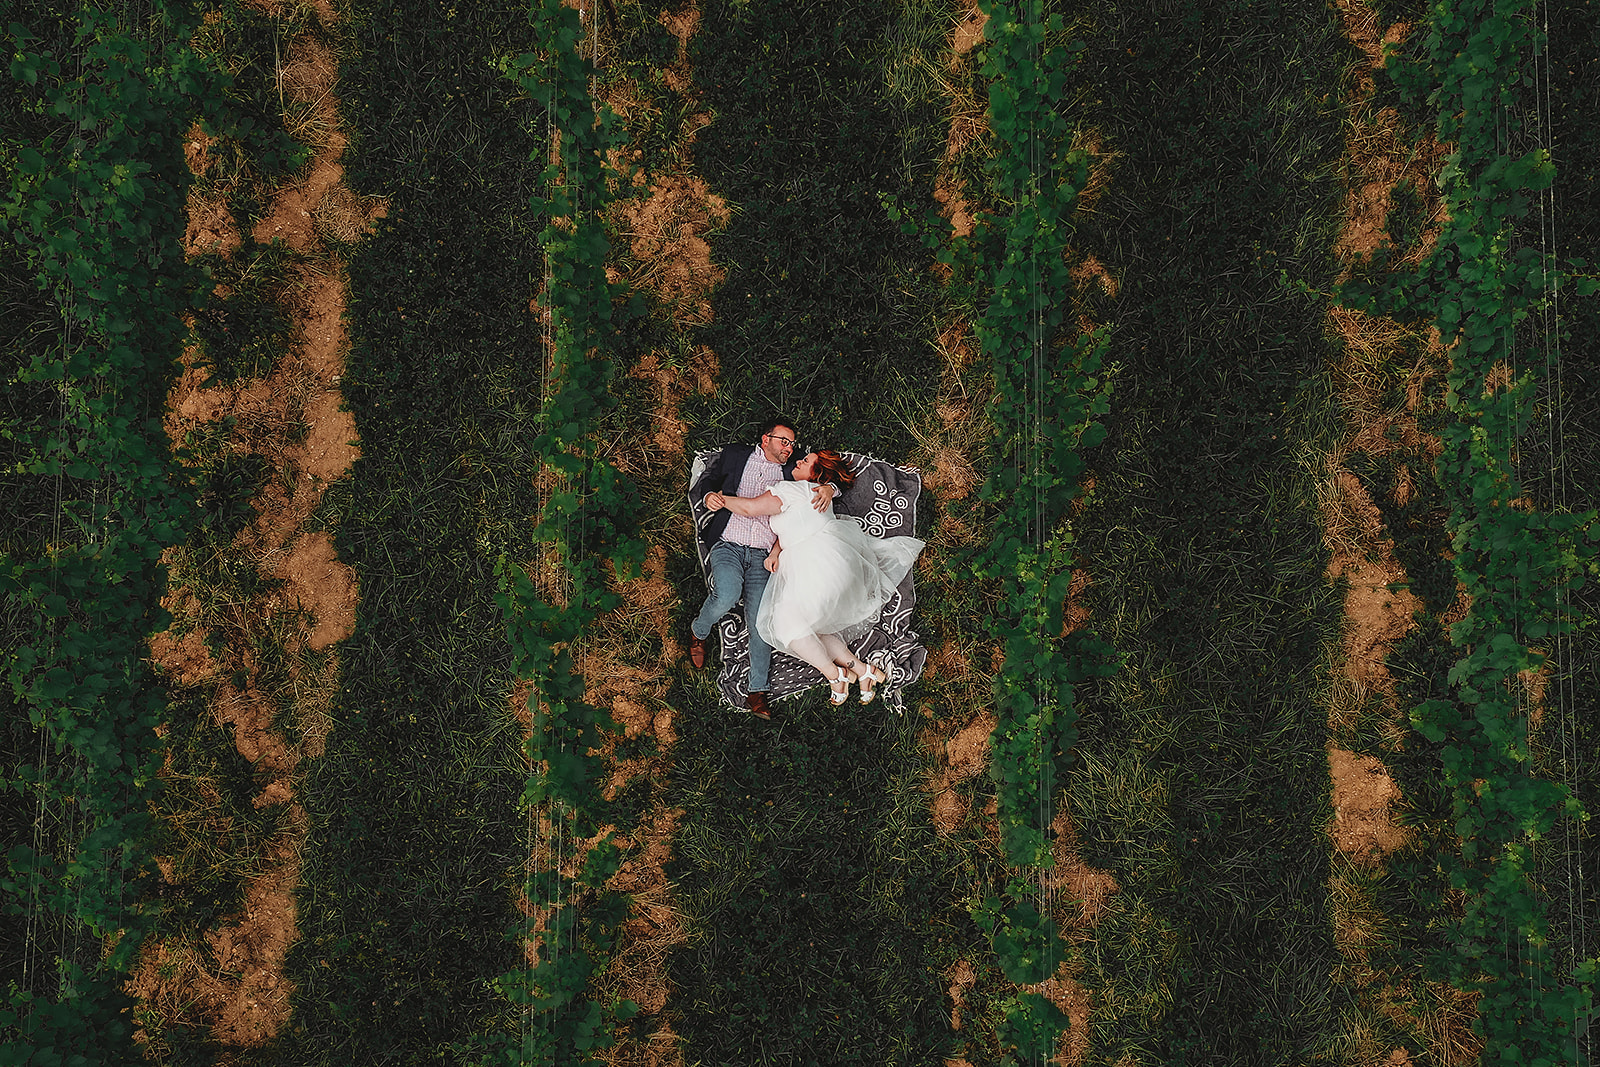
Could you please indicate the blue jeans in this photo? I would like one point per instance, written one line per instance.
(735, 570)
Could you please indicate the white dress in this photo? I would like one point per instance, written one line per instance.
(832, 575)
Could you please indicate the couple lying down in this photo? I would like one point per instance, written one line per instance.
(806, 575)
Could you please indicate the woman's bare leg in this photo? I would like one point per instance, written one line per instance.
(814, 651)
(838, 651)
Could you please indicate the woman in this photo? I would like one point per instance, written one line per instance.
(833, 575)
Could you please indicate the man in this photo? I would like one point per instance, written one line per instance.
(738, 546)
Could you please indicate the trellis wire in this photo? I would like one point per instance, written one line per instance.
(64, 821)
(1046, 895)
(1560, 693)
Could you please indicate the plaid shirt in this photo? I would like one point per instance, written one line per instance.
(758, 477)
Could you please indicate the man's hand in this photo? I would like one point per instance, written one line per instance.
(821, 496)
(714, 502)
(771, 562)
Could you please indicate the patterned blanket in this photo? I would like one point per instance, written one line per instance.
(884, 501)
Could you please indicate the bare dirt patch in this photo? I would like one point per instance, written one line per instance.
(682, 24)
(968, 123)
(1090, 270)
(962, 978)
(211, 227)
(667, 222)
(968, 33)
(318, 582)
(186, 659)
(294, 418)
(1363, 825)
(1377, 154)
(1076, 896)
(944, 453)
(1378, 612)
(962, 756)
(673, 383)
(666, 232)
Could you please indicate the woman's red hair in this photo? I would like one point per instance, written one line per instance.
(832, 467)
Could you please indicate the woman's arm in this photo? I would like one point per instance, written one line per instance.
(771, 562)
(748, 506)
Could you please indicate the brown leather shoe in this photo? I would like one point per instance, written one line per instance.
(758, 706)
(697, 650)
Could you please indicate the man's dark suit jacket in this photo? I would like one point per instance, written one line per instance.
(722, 475)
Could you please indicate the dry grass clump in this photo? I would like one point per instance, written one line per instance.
(342, 217)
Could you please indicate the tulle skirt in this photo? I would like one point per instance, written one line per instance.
(835, 580)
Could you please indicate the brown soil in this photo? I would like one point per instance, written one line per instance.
(666, 232)
(1089, 269)
(1075, 896)
(944, 455)
(1361, 551)
(186, 658)
(1363, 826)
(1375, 618)
(1376, 154)
(319, 583)
(673, 385)
(968, 123)
(665, 223)
(1365, 796)
(962, 978)
(968, 33)
(211, 225)
(958, 744)
(962, 756)
(295, 419)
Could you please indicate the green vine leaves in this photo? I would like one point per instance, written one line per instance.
(1479, 284)
(1050, 386)
(91, 209)
(590, 522)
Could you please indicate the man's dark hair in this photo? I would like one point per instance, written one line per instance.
(774, 422)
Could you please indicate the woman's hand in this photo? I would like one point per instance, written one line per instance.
(771, 562)
(822, 495)
(715, 501)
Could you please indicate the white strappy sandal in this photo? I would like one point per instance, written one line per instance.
(875, 677)
(837, 697)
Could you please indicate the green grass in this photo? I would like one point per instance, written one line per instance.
(822, 911)
(822, 908)
(244, 334)
(1201, 779)
(407, 884)
(827, 308)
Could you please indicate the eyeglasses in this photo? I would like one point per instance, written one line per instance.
(781, 440)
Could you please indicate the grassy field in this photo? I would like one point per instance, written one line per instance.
(1201, 782)
(406, 886)
(810, 891)
(820, 909)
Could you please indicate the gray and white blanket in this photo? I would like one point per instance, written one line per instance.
(884, 501)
